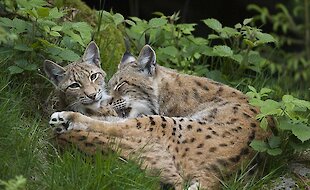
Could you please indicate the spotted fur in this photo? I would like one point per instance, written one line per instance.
(190, 128)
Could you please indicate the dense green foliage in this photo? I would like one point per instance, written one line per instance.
(242, 56)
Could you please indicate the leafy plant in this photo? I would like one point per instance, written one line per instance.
(239, 44)
(14, 184)
(37, 31)
(290, 25)
(291, 116)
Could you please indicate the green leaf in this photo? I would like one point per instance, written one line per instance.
(270, 107)
(237, 57)
(213, 36)
(170, 50)
(238, 26)
(22, 47)
(118, 19)
(30, 67)
(252, 88)
(157, 22)
(6, 22)
(230, 32)
(54, 33)
(274, 142)
(247, 21)
(19, 25)
(265, 38)
(259, 146)
(213, 24)
(43, 12)
(131, 23)
(275, 151)
(56, 28)
(222, 51)
(15, 70)
(301, 131)
(85, 31)
(68, 55)
(55, 14)
(264, 123)
(265, 91)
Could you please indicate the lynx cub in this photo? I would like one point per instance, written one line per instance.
(80, 86)
(198, 127)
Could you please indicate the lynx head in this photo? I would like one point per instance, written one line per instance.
(81, 84)
(133, 86)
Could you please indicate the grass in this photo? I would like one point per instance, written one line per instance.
(26, 150)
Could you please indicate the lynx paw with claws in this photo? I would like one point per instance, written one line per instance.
(63, 121)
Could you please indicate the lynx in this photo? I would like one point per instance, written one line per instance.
(189, 128)
(80, 86)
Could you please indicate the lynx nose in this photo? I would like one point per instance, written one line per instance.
(92, 96)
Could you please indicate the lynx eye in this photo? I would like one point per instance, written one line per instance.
(118, 86)
(94, 76)
(74, 85)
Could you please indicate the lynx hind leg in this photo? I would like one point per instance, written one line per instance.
(65, 121)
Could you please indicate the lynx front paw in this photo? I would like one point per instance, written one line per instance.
(64, 121)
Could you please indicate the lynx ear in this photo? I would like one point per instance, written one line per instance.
(147, 60)
(127, 58)
(92, 55)
(54, 72)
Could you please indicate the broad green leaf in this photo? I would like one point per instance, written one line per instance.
(56, 28)
(274, 142)
(136, 19)
(54, 33)
(264, 123)
(22, 47)
(85, 31)
(6, 22)
(271, 107)
(259, 146)
(186, 28)
(213, 24)
(131, 23)
(274, 152)
(237, 57)
(55, 14)
(30, 67)
(19, 25)
(222, 51)
(170, 50)
(118, 19)
(252, 88)
(68, 55)
(157, 22)
(265, 38)
(301, 131)
(213, 36)
(265, 91)
(15, 70)
(238, 26)
(247, 21)
(230, 31)
(42, 12)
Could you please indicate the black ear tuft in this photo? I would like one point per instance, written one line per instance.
(54, 72)
(92, 54)
(147, 60)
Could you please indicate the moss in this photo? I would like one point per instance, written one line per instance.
(109, 39)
